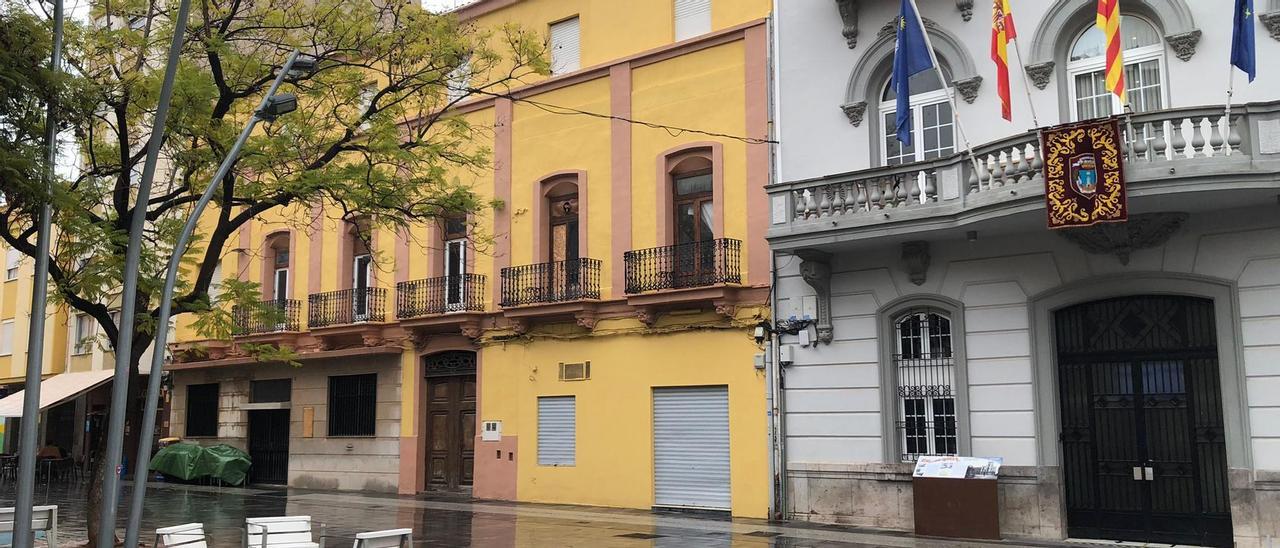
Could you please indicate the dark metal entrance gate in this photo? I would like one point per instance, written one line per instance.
(1143, 448)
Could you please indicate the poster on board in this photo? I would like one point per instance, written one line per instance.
(958, 467)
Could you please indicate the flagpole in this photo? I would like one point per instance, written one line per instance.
(951, 98)
(1231, 83)
(1026, 86)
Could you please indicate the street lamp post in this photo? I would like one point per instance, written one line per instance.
(271, 107)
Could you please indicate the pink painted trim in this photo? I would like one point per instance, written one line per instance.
(315, 262)
(756, 44)
(620, 171)
(346, 254)
(542, 215)
(667, 161)
(503, 117)
(409, 464)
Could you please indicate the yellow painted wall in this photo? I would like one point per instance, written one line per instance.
(15, 305)
(614, 459)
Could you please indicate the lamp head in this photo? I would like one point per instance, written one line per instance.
(303, 65)
(278, 105)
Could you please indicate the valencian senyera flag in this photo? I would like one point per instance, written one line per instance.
(1109, 22)
(1243, 55)
(911, 56)
(1002, 32)
(1084, 174)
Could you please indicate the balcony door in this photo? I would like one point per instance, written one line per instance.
(694, 254)
(362, 273)
(455, 270)
(280, 290)
(564, 270)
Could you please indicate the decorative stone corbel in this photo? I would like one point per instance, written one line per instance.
(855, 112)
(968, 88)
(419, 339)
(1184, 44)
(646, 315)
(472, 330)
(815, 268)
(915, 261)
(371, 339)
(586, 319)
(1040, 73)
(726, 309)
(519, 326)
(966, 9)
(1272, 22)
(849, 16)
(1142, 231)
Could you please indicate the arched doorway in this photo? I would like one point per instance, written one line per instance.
(450, 422)
(1142, 431)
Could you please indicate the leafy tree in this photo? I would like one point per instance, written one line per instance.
(373, 137)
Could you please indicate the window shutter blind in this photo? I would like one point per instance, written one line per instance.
(693, 18)
(557, 437)
(6, 338)
(565, 53)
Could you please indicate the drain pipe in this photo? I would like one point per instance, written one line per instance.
(773, 367)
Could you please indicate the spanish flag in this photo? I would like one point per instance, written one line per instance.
(1109, 22)
(1001, 33)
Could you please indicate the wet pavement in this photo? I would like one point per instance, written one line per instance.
(458, 521)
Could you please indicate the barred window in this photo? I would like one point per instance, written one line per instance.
(926, 390)
(352, 404)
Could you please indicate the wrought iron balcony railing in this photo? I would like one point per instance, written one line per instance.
(274, 316)
(1158, 146)
(554, 282)
(347, 306)
(462, 292)
(692, 264)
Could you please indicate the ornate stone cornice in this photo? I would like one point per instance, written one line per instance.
(1040, 73)
(855, 112)
(849, 18)
(1184, 44)
(1272, 22)
(966, 9)
(1142, 231)
(968, 88)
(915, 261)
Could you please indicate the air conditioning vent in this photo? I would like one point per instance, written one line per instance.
(575, 371)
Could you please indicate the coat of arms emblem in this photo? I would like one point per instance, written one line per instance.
(1084, 174)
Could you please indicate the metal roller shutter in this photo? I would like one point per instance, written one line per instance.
(557, 437)
(691, 447)
(693, 18)
(565, 55)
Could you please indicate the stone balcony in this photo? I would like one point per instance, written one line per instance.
(1188, 160)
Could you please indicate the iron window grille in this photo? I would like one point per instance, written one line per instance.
(693, 264)
(353, 405)
(202, 410)
(925, 365)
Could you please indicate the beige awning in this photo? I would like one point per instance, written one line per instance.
(55, 390)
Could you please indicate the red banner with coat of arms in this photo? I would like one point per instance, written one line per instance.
(1084, 174)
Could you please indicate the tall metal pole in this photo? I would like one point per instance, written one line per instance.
(128, 305)
(39, 299)
(143, 462)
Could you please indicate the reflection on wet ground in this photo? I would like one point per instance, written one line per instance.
(456, 521)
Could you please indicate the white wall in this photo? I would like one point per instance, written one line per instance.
(815, 65)
(832, 395)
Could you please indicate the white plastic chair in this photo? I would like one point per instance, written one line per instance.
(44, 519)
(187, 535)
(281, 532)
(390, 538)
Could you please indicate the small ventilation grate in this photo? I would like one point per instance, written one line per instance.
(575, 371)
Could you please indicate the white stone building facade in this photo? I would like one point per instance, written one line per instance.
(1128, 374)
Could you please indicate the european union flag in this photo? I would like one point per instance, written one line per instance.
(1243, 53)
(910, 56)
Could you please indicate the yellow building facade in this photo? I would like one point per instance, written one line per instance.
(590, 341)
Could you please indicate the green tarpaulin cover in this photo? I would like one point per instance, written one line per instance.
(188, 461)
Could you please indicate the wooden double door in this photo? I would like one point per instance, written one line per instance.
(450, 426)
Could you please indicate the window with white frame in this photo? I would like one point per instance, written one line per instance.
(692, 18)
(12, 260)
(924, 362)
(6, 337)
(84, 334)
(932, 122)
(565, 44)
(1143, 71)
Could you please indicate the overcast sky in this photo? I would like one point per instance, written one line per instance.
(444, 5)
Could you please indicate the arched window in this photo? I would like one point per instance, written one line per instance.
(933, 123)
(924, 362)
(1143, 70)
(277, 258)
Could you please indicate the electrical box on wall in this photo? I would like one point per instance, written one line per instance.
(787, 354)
(491, 431)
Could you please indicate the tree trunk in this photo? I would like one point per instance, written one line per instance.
(98, 472)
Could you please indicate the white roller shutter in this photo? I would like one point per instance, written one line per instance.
(693, 18)
(691, 447)
(557, 425)
(565, 53)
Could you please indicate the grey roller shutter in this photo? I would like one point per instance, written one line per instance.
(565, 40)
(691, 447)
(693, 18)
(557, 437)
